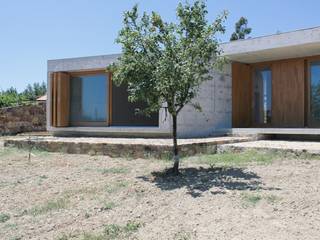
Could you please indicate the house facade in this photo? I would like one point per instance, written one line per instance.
(270, 85)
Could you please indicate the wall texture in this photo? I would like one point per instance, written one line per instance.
(29, 118)
(214, 98)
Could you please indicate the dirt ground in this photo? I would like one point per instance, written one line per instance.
(56, 196)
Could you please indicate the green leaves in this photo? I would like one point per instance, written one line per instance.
(241, 29)
(11, 97)
(166, 62)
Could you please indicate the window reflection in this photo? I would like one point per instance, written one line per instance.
(88, 98)
(262, 96)
(315, 90)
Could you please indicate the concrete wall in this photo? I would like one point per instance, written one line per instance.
(28, 118)
(214, 98)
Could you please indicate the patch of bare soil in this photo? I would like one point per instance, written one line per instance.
(56, 196)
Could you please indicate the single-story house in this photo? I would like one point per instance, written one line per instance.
(270, 85)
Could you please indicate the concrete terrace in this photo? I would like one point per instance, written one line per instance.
(296, 147)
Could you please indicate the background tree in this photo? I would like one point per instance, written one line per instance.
(32, 92)
(241, 29)
(164, 63)
(11, 97)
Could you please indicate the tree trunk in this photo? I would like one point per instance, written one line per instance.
(176, 157)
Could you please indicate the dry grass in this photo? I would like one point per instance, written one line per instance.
(251, 195)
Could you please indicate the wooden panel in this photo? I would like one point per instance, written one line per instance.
(60, 89)
(288, 93)
(241, 95)
(63, 99)
(53, 100)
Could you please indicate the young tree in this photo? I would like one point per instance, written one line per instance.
(241, 29)
(164, 63)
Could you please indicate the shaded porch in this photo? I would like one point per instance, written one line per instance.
(276, 82)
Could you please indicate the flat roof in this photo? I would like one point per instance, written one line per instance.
(298, 43)
(81, 63)
(293, 44)
(111, 56)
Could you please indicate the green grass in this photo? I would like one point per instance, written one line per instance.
(4, 217)
(16, 238)
(13, 226)
(65, 236)
(114, 231)
(8, 151)
(41, 179)
(4, 184)
(272, 199)
(116, 186)
(38, 152)
(110, 232)
(12, 184)
(51, 205)
(108, 206)
(182, 235)
(235, 159)
(250, 199)
(90, 236)
(114, 170)
(81, 191)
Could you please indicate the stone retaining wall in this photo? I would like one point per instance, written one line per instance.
(113, 150)
(27, 118)
(121, 147)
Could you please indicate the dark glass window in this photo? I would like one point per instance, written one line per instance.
(315, 90)
(262, 96)
(88, 98)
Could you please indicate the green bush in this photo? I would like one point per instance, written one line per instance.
(4, 217)
(11, 97)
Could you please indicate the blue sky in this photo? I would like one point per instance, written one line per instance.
(33, 31)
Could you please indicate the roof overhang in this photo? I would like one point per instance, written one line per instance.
(294, 44)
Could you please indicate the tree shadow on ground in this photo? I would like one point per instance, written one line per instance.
(200, 180)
